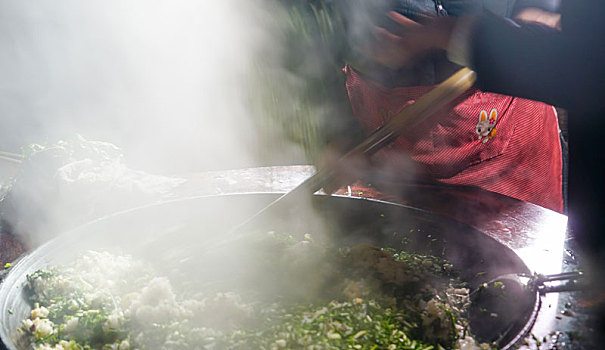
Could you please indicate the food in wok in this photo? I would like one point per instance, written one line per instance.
(294, 294)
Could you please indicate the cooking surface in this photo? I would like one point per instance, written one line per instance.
(536, 234)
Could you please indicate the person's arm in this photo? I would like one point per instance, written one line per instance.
(534, 61)
(538, 62)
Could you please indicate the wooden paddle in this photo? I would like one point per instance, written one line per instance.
(413, 114)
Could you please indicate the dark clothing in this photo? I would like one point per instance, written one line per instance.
(521, 159)
(566, 69)
(428, 69)
(561, 68)
(502, 8)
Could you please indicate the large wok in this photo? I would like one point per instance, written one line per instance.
(172, 235)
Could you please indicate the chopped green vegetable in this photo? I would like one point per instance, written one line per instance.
(387, 305)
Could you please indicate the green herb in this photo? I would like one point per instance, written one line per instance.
(391, 316)
(336, 325)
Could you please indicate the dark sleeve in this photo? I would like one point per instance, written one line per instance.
(502, 8)
(532, 61)
(546, 5)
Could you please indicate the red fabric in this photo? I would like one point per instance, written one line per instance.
(522, 160)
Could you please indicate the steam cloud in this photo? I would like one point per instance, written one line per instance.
(167, 81)
(171, 83)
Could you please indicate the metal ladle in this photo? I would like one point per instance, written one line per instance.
(501, 306)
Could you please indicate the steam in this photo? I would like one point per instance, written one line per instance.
(163, 87)
(169, 82)
(173, 85)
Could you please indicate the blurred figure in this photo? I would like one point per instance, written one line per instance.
(563, 67)
(499, 143)
(535, 61)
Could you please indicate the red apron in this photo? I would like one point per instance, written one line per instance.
(498, 143)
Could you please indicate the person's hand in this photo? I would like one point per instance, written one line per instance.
(395, 50)
(536, 15)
